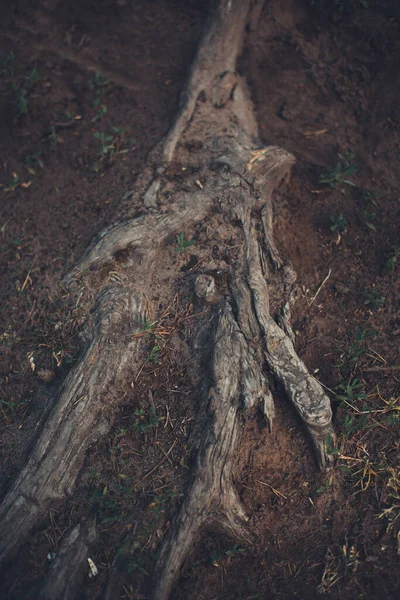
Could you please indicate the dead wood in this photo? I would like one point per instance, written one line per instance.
(82, 413)
(71, 565)
(252, 340)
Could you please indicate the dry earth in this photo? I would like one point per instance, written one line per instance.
(325, 82)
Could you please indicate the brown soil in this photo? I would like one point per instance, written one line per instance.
(324, 82)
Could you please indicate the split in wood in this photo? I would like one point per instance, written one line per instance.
(238, 176)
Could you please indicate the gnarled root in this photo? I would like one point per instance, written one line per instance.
(251, 342)
(238, 383)
(211, 499)
(80, 416)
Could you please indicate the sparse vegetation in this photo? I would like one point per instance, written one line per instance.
(360, 411)
(8, 65)
(145, 421)
(33, 162)
(147, 325)
(328, 482)
(231, 553)
(154, 355)
(98, 85)
(366, 456)
(20, 100)
(53, 139)
(159, 505)
(373, 299)
(368, 220)
(21, 91)
(182, 242)
(338, 224)
(345, 167)
(369, 196)
(110, 146)
(349, 391)
(137, 561)
(101, 111)
(13, 184)
(392, 261)
(107, 144)
(109, 508)
(72, 116)
(348, 358)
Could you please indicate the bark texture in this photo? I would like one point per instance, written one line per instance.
(252, 340)
(82, 414)
(71, 565)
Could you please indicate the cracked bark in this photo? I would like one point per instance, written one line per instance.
(249, 343)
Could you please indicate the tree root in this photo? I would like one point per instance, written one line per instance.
(216, 57)
(83, 413)
(211, 499)
(252, 340)
(70, 567)
(146, 233)
(238, 384)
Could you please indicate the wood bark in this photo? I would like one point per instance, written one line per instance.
(250, 342)
(71, 565)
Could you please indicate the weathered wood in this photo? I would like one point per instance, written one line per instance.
(71, 566)
(145, 233)
(250, 344)
(216, 57)
(237, 375)
(81, 415)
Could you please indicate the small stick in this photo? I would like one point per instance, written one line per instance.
(320, 287)
(27, 280)
(388, 368)
(160, 463)
(163, 451)
(279, 494)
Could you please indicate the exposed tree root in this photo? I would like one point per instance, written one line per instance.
(71, 565)
(213, 67)
(83, 413)
(211, 499)
(145, 234)
(238, 384)
(252, 340)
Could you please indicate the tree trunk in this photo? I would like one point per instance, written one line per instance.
(252, 339)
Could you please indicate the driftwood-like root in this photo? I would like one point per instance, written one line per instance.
(238, 383)
(82, 414)
(235, 174)
(71, 565)
(303, 390)
(216, 56)
(145, 233)
(211, 500)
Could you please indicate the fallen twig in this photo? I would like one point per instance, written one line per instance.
(320, 287)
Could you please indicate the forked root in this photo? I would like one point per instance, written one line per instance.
(238, 383)
(237, 175)
(304, 391)
(211, 499)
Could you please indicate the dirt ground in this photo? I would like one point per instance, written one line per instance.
(325, 81)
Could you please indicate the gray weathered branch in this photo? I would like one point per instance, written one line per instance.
(81, 415)
(236, 174)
